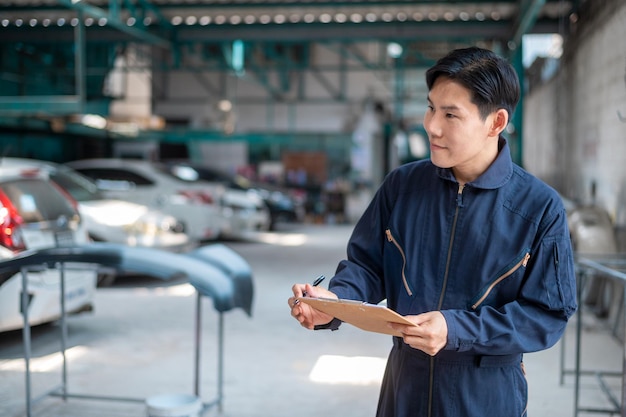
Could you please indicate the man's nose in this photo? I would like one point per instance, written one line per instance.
(432, 125)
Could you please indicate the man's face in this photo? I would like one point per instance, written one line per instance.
(459, 138)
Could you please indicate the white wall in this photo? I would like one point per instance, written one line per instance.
(573, 136)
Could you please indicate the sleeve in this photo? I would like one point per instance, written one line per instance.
(360, 275)
(537, 318)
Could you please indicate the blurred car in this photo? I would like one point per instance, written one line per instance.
(111, 220)
(245, 209)
(36, 214)
(147, 183)
(282, 207)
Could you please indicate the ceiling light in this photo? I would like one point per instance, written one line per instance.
(177, 20)
(249, 19)
(295, 18)
(191, 20)
(371, 17)
(205, 20)
(18, 22)
(131, 21)
(356, 18)
(325, 18)
(417, 16)
(89, 21)
(60, 21)
(309, 18)
(225, 105)
(401, 17)
(102, 21)
(45, 22)
(340, 18)
(94, 120)
(449, 16)
(280, 19)
(235, 19)
(394, 50)
(32, 22)
(220, 20)
(464, 16)
(387, 17)
(265, 19)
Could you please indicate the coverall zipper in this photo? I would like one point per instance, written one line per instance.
(523, 262)
(459, 204)
(391, 239)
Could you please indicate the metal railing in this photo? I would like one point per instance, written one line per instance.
(215, 271)
(610, 269)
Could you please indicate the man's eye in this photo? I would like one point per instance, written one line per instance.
(450, 116)
(431, 108)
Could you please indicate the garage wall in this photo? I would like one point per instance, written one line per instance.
(320, 99)
(573, 136)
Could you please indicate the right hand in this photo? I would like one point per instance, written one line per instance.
(306, 315)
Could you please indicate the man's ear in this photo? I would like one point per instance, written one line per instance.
(500, 119)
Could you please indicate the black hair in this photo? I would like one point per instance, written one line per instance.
(491, 80)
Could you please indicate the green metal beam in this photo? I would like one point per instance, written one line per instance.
(113, 21)
(529, 10)
(34, 105)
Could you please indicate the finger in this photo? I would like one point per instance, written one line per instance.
(297, 290)
(296, 311)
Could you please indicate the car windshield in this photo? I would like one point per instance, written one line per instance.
(36, 200)
(80, 187)
(183, 172)
(192, 173)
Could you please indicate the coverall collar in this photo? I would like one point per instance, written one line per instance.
(498, 173)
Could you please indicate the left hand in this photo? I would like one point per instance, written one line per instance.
(430, 335)
(304, 313)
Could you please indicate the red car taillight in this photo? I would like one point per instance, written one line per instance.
(10, 221)
(196, 196)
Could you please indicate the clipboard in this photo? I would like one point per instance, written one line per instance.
(365, 316)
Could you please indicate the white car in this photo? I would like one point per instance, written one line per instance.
(144, 182)
(244, 210)
(111, 220)
(37, 214)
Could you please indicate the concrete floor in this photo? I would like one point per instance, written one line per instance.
(139, 343)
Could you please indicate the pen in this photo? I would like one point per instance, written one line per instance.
(317, 282)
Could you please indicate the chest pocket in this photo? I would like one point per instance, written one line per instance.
(504, 287)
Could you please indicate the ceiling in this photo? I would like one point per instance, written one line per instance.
(283, 30)
(166, 22)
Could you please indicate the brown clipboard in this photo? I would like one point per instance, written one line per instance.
(370, 317)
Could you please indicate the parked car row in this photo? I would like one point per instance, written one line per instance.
(173, 207)
(282, 207)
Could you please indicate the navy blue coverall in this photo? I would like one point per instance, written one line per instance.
(494, 256)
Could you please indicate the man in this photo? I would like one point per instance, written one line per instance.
(468, 246)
